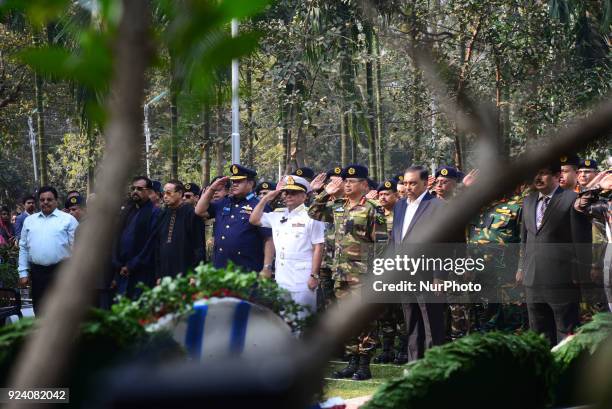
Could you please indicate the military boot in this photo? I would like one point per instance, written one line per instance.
(363, 372)
(386, 355)
(348, 370)
(402, 351)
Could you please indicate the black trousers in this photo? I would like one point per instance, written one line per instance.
(554, 315)
(425, 326)
(41, 278)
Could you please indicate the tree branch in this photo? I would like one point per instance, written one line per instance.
(44, 357)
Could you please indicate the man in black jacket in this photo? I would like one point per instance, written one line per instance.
(132, 264)
(555, 256)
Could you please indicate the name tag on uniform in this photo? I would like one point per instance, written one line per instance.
(226, 210)
(298, 225)
(339, 209)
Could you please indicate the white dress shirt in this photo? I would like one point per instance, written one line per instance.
(411, 209)
(294, 234)
(45, 240)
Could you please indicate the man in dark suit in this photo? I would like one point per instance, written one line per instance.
(424, 319)
(555, 256)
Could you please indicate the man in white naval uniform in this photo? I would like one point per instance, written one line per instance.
(298, 240)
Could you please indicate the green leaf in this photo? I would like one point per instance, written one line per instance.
(239, 9)
(53, 61)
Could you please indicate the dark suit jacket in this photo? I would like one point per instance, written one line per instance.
(423, 215)
(557, 254)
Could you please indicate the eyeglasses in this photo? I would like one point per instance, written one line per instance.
(138, 188)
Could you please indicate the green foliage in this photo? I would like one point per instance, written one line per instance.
(475, 371)
(176, 295)
(105, 340)
(9, 277)
(572, 356)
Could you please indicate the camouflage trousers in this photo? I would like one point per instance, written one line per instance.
(392, 324)
(325, 290)
(365, 343)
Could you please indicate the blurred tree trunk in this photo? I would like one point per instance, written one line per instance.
(206, 145)
(379, 112)
(372, 113)
(91, 156)
(40, 129)
(173, 136)
(220, 148)
(249, 106)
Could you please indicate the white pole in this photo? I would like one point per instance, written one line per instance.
(33, 145)
(235, 103)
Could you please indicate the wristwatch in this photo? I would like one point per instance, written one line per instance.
(268, 266)
(314, 276)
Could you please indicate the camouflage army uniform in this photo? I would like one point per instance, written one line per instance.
(392, 323)
(353, 228)
(325, 292)
(498, 224)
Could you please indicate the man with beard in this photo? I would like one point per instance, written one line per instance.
(179, 236)
(237, 240)
(569, 172)
(131, 263)
(554, 257)
(29, 206)
(192, 194)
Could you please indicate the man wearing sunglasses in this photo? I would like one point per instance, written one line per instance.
(131, 263)
(46, 240)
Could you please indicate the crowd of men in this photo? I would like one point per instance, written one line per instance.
(309, 232)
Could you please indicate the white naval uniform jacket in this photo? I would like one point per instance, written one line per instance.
(294, 234)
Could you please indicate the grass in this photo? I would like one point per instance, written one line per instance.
(347, 388)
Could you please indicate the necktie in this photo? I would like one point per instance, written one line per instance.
(541, 211)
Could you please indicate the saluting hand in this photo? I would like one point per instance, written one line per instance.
(219, 183)
(318, 182)
(470, 178)
(431, 179)
(334, 186)
(271, 195)
(372, 194)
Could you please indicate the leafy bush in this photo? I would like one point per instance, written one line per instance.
(176, 295)
(572, 356)
(9, 277)
(105, 341)
(480, 370)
